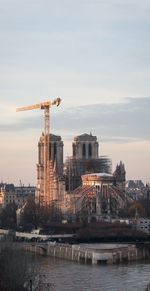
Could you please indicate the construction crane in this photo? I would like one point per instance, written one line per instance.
(46, 107)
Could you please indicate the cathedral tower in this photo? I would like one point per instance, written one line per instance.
(55, 167)
(85, 146)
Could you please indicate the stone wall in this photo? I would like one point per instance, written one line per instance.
(77, 253)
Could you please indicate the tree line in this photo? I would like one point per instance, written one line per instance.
(32, 216)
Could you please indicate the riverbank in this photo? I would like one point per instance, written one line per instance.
(92, 254)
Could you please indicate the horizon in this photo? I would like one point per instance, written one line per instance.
(122, 141)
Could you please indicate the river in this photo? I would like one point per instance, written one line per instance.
(70, 276)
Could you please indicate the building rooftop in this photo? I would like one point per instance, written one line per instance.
(99, 175)
(85, 137)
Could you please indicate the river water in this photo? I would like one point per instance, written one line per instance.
(70, 276)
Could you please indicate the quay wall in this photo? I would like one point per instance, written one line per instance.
(85, 255)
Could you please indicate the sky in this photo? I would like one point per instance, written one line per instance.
(95, 55)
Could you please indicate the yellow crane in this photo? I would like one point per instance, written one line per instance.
(46, 107)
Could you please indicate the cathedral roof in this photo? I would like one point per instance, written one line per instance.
(53, 137)
(85, 137)
(99, 175)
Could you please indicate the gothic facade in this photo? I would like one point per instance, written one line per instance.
(85, 159)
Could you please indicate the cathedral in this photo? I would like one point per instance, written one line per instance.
(84, 181)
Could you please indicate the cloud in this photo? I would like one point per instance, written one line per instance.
(120, 122)
(82, 48)
(22, 124)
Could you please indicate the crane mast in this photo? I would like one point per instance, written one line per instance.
(47, 187)
(48, 195)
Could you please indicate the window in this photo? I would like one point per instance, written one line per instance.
(84, 150)
(55, 150)
(105, 190)
(90, 150)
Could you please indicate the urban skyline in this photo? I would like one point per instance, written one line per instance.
(95, 56)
